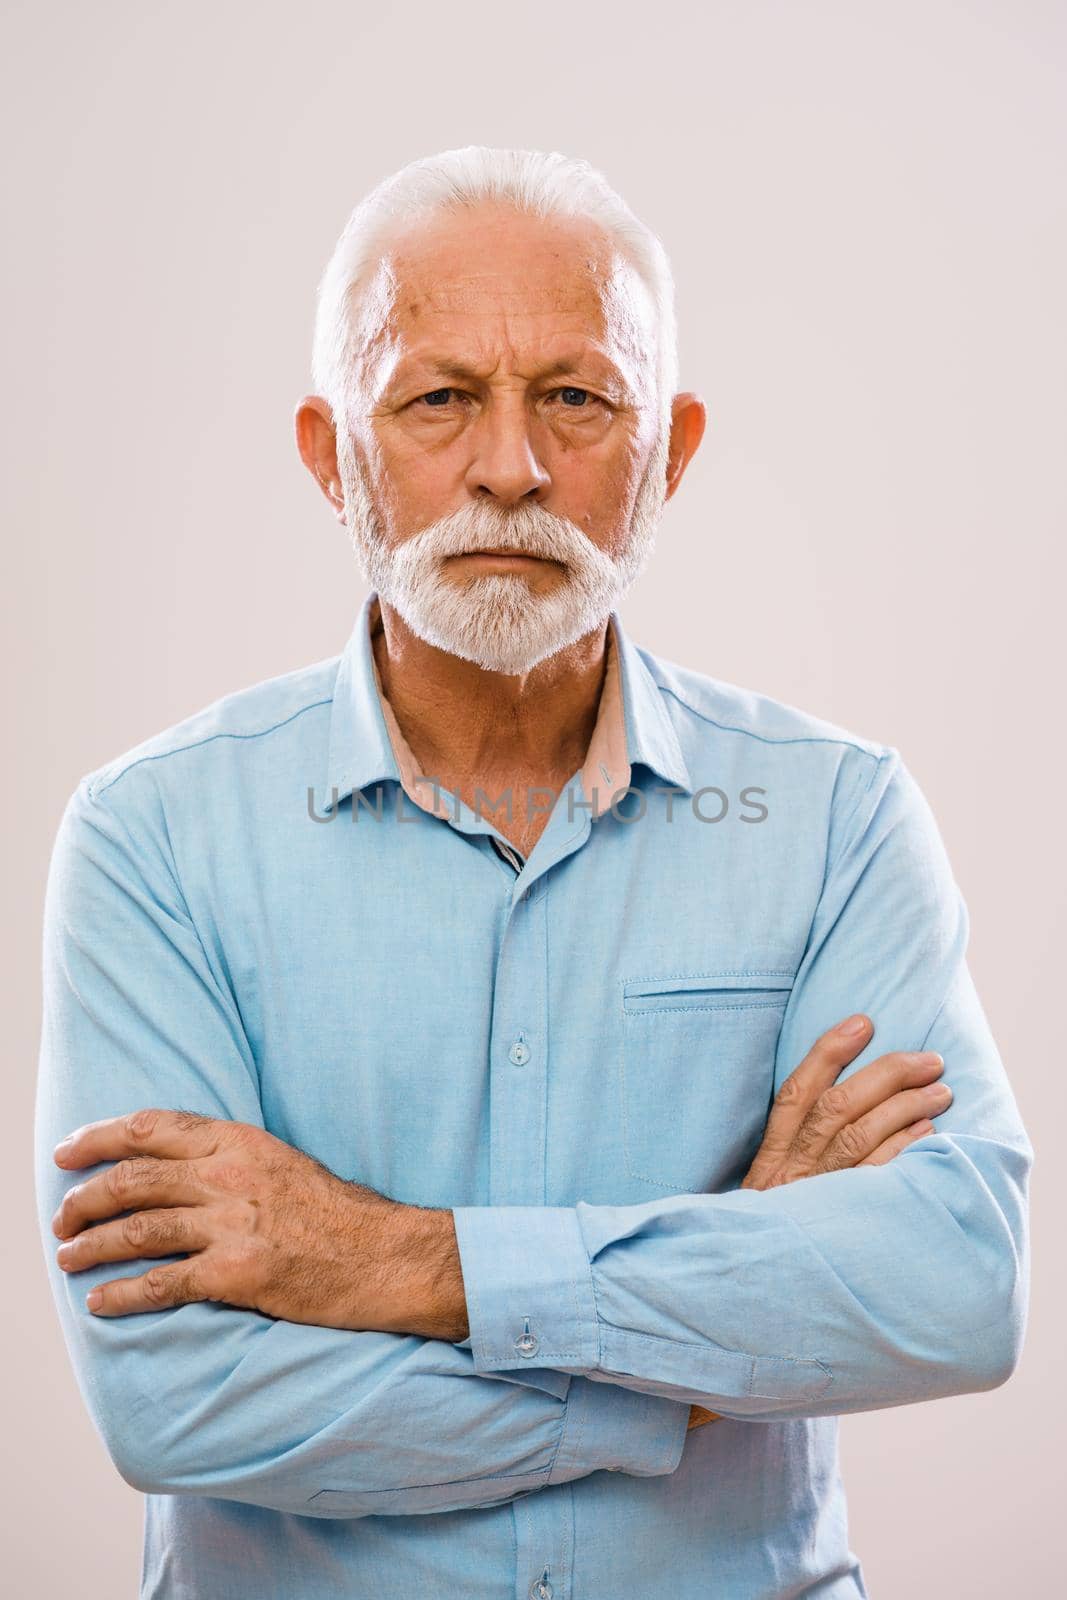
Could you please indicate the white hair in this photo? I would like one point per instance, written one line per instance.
(533, 181)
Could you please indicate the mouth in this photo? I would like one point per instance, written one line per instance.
(495, 557)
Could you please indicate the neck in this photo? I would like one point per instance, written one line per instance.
(461, 720)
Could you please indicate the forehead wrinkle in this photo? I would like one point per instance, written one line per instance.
(435, 276)
(604, 337)
(432, 358)
(405, 299)
(500, 292)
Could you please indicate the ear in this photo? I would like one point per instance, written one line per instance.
(689, 417)
(316, 440)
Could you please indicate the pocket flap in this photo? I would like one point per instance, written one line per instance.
(736, 987)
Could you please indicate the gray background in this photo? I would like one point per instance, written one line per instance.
(864, 205)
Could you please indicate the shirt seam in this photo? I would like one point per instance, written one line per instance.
(727, 1005)
(863, 746)
(846, 826)
(716, 972)
(195, 744)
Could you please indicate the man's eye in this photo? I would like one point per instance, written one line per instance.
(574, 398)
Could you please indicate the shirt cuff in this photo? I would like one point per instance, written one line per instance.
(609, 1428)
(529, 1287)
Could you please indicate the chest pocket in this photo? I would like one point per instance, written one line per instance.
(696, 1074)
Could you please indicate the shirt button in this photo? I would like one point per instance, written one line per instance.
(540, 1589)
(527, 1343)
(519, 1053)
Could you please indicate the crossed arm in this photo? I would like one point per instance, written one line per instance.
(874, 1281)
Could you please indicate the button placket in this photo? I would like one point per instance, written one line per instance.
(542, 1542)
(518, 1113)
(518, 1095)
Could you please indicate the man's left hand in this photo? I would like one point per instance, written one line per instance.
(263, 1226)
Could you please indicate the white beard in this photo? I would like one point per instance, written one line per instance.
(495, 619)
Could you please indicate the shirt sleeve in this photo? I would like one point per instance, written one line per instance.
(848, 1291)
(210, 1399)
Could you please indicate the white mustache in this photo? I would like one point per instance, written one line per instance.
(528, 531)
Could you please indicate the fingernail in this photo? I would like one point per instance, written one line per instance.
(64, 1253)
(921, 1128)
(852, 1025)
(939, 1093)
(93, 1299)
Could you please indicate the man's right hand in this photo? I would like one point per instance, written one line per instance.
(819, 1125)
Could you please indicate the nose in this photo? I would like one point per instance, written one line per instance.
(505, 464)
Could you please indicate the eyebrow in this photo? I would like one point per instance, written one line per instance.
(408, 369)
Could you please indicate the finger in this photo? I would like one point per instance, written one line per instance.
(845, 1102)
(148, 1132)
(126, 1186)
(858, 1139)
(142, 1233)
(900, 1141)
(155, 1290)
(822, 1065)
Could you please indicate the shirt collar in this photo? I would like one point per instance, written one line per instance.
(366, 745)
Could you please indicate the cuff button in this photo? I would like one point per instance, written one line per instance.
(527, 1344)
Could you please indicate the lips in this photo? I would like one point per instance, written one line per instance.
(521, 555)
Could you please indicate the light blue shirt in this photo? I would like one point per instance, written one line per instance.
(577, 1054)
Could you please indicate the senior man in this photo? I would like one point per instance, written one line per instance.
(500, 1065)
